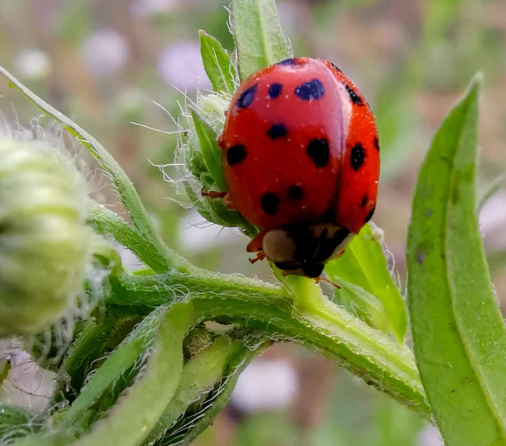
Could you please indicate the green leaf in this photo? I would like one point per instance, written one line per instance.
(126, 189)
(219, 68)
(459, 334)
(16, 422)
(133, 417)
(210, 150)
(205, 413)
(258, 36)
(364, 264)
(359, 302)
(124, 357)
(200, 375)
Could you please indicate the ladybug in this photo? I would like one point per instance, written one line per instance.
(300, 153)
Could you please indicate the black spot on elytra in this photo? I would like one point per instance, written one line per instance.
(308, 91)
(236, 154)
(377, 144)
(275, 90)
(247, 96)
(364, 201)
(336, 67)
(355, 98)
(288, 62)
(318, 150)
(295, 192)
(277, 131)
(270, 203)
(369, 215)
(357, 156)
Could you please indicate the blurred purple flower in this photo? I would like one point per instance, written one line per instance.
(492, 221)
(180, 65)
(146, 8)
(105, 53)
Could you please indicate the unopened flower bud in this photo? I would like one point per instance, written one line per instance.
(202, 157)
(44, 241)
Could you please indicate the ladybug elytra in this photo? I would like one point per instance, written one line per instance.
(300, 153)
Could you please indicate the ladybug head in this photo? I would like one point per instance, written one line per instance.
(304, 248)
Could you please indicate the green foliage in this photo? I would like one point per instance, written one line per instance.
(219, 68)
(147, 367)
(458, 331)
(259, 39)
(210, 150)
(364, 264)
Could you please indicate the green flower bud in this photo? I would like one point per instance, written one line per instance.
(202, 157)
(44, 247)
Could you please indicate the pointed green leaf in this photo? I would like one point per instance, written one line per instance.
(258, 36)
(364, 264)
(210, 149)
(459, 334)
(219, 68)
(132, 418)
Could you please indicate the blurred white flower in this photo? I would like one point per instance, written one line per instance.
(180, 65)
(197, 234)
(266, 384)
(146, 8)
(27, 385)
(493, 220)
(128, 258)
(430, 436)
(105, 52)
(32, 63)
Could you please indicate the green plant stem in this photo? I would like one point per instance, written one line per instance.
(106, 222)
(313, 321)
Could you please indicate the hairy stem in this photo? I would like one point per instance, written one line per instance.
(366, 352)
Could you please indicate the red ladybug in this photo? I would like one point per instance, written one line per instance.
(301, 162)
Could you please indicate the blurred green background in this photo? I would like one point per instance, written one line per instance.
(106, 63)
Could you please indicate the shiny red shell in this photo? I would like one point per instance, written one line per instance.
(300, 144)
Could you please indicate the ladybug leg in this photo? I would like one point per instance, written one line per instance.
(229, 203)
(256, 243)
(336, 256)
(322, 279)
(256, 246)
(260, 256)
(215, 194)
